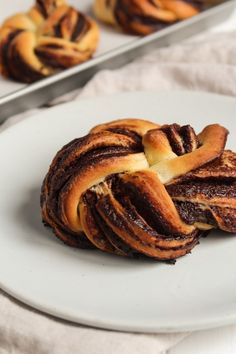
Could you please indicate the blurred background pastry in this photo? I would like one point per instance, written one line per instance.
(52, 36)
(143, 16)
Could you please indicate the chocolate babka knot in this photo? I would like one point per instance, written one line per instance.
(133, 187)
(50, 37)
(145, 16)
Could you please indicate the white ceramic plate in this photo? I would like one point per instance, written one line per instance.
(90, 287)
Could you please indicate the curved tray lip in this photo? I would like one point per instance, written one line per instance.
(213, 322)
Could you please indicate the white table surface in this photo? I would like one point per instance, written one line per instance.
(221, 340)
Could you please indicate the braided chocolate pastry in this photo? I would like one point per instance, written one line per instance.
(132, 187)
(146, 16)
(52, 36)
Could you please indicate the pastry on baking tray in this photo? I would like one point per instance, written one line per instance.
(132, 187)
(52, 36)
(144, 16)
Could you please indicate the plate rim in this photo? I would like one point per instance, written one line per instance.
(214, 322)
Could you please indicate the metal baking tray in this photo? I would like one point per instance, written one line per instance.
(123, 49)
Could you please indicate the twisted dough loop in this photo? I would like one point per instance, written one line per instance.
(106, 190)
(50, 37)
(144, 16)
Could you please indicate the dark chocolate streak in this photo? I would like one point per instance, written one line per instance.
(147, 210)
(209, 189)
(214, 215)
(108, 3)
(46, 7)
(106, 208)
(5, 49)
(190, 139)
(90, 200)
(76, 144)
(62, 181)
(190, 213)
(104, 229)
(198, 4)
(52, 46)
(47, 58)
(57, 28)
(135, 214)
(20, 70)
(41, 4)
(175, 140)
(182, 139)
(135, 136)
(81, 28)
(227, 217)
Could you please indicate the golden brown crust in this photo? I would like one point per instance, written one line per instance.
(50, 37)
(212, 140)
(139, 126)
(108, 188)
(143, 16)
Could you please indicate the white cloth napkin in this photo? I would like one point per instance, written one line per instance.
(207, 65)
